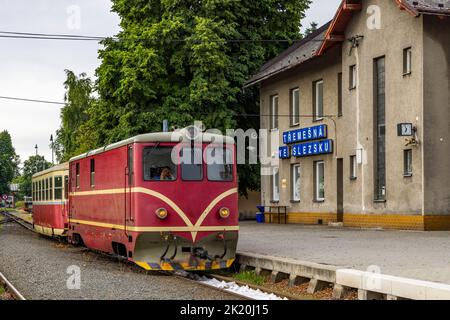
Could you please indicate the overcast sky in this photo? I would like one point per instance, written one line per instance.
(34, 69)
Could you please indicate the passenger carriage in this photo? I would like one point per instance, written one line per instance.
(50, 196)
(146, 200)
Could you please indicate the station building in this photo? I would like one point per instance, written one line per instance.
(362, 108)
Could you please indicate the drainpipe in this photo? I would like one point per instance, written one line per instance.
(359, 146)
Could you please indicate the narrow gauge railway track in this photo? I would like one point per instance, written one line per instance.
(185, 276)
(10, 288)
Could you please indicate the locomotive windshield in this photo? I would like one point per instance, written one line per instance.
(220, 164)
(158, 164)
(191, 164)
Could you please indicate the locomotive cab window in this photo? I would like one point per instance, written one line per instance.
(220, 164)
(158, 164)
(191, 164)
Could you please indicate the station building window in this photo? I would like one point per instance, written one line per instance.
(339, 95)
(407, 156)
(318, 100)
(319, 181)
(353, 77)
(407, 61)
(353, 168)
(295, 107)
(295, 183)
(275, 185)
(274, 112)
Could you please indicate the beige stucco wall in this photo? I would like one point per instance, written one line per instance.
(437, 115)
(355, 129)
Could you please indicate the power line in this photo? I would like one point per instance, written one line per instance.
(32, 100)
(250, 115)
(49, 36)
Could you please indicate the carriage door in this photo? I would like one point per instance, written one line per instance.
(72, 187)
(129, 183)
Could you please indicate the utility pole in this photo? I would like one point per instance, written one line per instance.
(52, 146)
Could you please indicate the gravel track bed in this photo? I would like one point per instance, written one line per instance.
(37, 267)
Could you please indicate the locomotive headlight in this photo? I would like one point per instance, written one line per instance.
(224, 212)
(161, 213)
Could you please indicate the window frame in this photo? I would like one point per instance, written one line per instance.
(353, 168)
(408, 163)
(92, 172)
(157, 145)
(294, 109)
(275, 179)
(353, 77)
(407, 61)
(59, 188)
(317, 116)
(317, 197)
(232, 164)
(77, 175)
(340, 95)
(66, 187)
(274, 121)
(293, 182)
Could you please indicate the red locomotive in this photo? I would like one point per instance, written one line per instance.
(166, 201)
(50, 194)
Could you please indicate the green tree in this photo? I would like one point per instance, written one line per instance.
(187, 60)
(9, 162)
(312, 27)
(69, 138)
(33, 165)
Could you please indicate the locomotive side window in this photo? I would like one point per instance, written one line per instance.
(66, 187)
(92, 172)
(58, 188)
(220, 164)
(77, 172)
(191, 164)
(158, 164)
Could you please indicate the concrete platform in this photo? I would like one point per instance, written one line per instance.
(23, 215)
(417, 261)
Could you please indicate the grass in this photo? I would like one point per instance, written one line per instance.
(250, 277)
(2, 290)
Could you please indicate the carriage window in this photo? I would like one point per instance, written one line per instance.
(50, 189)
(191, 164)
(46, 189)
(220, 164)
(66, 187)
(158, 164)
(58, 188)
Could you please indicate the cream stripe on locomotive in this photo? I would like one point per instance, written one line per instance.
(189, 226)
(155, 229)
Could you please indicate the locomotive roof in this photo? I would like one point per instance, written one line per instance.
(177, 137)
(58, 167)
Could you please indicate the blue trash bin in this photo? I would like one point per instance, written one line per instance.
(260, 218)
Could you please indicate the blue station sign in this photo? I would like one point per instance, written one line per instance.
(312, 148)
(306, 134)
